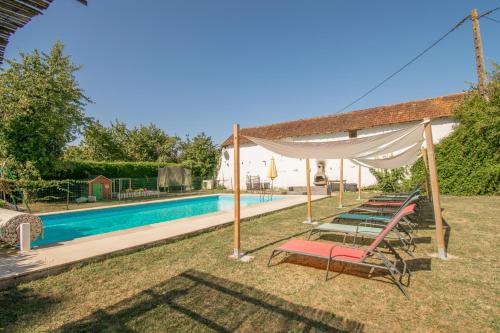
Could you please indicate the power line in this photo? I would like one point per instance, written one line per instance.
(407, 64)
(492, 19)
(462, 21)
(488, 12)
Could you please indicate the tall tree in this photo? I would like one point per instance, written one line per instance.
(101, 143)
(41, 107)
(201, 155)
(151, 143)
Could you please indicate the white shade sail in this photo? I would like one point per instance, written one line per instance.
(385, 150)
(404, 158)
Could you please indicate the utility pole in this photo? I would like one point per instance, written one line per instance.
(478, 47)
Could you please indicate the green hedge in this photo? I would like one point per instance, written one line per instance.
(87, 169)
(468, 160)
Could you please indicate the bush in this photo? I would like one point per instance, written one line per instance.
(390, 180)
(88, 169)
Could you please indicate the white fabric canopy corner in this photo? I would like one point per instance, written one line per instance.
(386, 151)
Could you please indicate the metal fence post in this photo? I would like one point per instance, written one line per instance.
(67, 196)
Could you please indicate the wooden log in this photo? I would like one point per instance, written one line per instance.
(308, 191)
(435, 191)
(236, 147)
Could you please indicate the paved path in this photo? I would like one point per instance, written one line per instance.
(53, 258)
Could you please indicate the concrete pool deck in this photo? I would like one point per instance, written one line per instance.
(56, 257)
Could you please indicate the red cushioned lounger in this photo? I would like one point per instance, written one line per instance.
(354, 255)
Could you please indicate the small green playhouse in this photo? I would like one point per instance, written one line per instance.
(100, 188)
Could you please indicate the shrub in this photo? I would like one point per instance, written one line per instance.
(87, 169)
(390, 180)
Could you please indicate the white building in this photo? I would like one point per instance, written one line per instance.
(291, 172)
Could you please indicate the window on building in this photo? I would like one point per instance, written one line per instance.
(353, 134)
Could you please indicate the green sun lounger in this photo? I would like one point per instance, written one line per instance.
(365, 230)
(395, 196)
(364, 217)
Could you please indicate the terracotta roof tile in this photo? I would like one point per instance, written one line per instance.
(436, 107)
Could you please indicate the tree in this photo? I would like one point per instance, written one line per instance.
(100, 143)
(151, 143)
(468, 160)
(201, 155)
(41, 107)
(119, 143)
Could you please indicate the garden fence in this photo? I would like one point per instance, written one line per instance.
(71, 191)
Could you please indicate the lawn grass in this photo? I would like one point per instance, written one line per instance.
(192, 285)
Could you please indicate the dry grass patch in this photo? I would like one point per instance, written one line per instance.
(192, 285)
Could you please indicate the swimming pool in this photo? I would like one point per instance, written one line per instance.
(71, 225)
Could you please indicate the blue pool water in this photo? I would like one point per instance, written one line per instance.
(71, 225)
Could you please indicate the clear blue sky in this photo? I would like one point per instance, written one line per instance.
(198, 65)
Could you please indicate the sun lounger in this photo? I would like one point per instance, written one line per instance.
(392, 197)
(368, 230)
(355, 255)
(380, 209)
(397, 195)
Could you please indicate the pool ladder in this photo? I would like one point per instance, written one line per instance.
(263, 193)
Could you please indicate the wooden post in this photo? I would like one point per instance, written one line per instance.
(426, 173)
(478, 47)
(341, 185)
(236, 146)
(359, 182)
(308, 189)
(435, 191)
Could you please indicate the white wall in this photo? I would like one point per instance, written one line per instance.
(292, 172)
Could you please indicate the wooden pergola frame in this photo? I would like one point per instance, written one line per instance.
(429, 161)
(15, 14)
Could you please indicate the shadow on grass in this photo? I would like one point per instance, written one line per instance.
(414, 265)
(427, 222)
(195, 301)
(276, 242)
(22, 305)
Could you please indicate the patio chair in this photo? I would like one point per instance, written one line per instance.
(355, 255)
(369, 225)
(401, 196)
(379, 212)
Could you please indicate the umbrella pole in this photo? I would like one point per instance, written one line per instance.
(272, 188)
